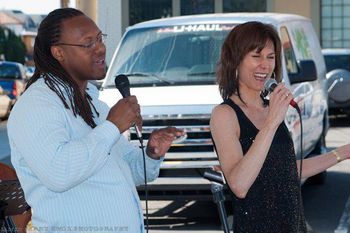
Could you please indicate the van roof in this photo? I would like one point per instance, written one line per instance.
(235, 18)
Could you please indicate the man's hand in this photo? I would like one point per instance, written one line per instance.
(125, 114)
(160, 141)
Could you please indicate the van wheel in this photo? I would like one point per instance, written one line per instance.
(320, 148)
(318, 179)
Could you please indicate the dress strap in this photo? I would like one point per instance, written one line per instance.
(243, 119)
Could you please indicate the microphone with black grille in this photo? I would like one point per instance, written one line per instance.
(122, 84)
(271, 84)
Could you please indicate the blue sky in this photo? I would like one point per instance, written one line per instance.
(31, 6)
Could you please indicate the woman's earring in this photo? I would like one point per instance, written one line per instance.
(273, 75)
(236, 73)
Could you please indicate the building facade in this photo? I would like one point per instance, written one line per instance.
(329, 17)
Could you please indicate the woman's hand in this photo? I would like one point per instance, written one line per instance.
(278, 106)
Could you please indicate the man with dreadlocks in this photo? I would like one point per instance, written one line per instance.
(77, 171)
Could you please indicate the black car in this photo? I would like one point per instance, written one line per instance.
(338, 80)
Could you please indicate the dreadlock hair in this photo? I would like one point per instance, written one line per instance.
(55, 76)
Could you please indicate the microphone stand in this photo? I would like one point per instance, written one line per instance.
(217, 188)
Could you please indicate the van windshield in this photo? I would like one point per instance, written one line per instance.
(171, 55)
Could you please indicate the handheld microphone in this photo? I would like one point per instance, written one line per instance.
(121, 82)
(271, 84)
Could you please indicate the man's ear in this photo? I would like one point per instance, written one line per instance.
(57, 53)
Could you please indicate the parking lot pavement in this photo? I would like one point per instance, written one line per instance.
(343, 226)
(324, 205)
(337, 136)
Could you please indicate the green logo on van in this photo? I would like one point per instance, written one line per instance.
(302, 43)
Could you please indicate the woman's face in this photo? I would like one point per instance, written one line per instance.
(256, 67)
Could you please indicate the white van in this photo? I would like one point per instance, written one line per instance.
(171, 68)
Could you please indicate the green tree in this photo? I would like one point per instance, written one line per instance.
(12, 46)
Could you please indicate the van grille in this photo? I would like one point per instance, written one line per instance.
(181, 173)
(198, 133)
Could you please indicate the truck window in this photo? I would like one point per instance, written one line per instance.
(337, 61)
(171, 55)
(291, 63)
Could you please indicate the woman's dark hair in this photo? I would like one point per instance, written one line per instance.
(243, 39)
(47, 67)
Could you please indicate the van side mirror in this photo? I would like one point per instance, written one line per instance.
(307, 72)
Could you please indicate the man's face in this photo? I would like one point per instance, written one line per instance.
(82, 63)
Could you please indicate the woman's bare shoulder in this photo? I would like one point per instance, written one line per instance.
(223, 111)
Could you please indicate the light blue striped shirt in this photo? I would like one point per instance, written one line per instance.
(75, 178)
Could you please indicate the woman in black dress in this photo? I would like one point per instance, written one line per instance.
(254, 146)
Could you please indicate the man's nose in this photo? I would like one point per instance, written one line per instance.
(100, 48)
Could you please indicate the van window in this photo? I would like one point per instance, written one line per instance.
(289, 55)
(171, 55)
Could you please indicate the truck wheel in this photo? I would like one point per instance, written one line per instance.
(320, 148)
(318, 179)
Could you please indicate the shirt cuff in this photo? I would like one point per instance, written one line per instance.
(154, 162)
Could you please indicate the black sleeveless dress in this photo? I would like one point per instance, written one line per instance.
(273, 203)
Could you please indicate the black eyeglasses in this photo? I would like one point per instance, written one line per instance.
(100, 39)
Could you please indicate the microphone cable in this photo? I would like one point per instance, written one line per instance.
(301, 162)
(142, 147)
(122, 83)
(301, 143)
